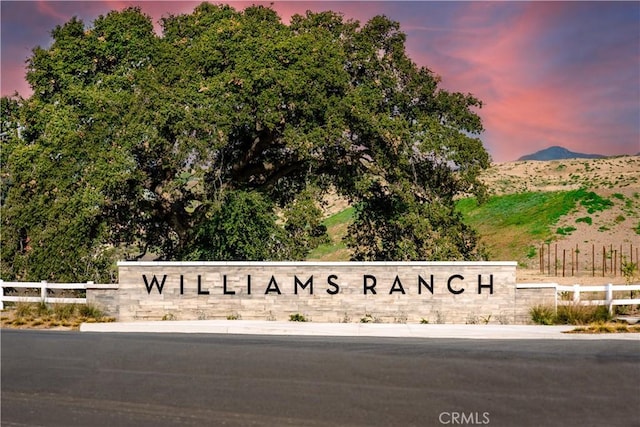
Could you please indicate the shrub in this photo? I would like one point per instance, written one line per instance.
(531, 252)
(594, 202)
(23, 309)
(368, 318)
(42, 309)
(64, 311)
(297, 317)
(565, 231)
(572, 314)
(90, 311)
(542, 315)
(586, 220)
(578, 314)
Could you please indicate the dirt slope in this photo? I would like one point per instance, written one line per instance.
(610, 231)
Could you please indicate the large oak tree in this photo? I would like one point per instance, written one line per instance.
(187, 144)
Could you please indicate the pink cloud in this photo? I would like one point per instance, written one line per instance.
(544, 76)
(534, 96)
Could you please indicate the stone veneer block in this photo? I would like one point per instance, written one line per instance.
(402, 292)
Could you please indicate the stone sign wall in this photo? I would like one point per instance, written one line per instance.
(436, 292)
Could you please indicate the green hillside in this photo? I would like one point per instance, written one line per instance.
(510, 225)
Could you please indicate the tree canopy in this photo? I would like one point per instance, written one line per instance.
(217, 139)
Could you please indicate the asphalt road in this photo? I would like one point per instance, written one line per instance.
(100, 379)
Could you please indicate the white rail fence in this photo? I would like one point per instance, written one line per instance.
(577, 290)
(43, 286)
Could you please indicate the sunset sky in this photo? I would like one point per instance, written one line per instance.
(549, 73)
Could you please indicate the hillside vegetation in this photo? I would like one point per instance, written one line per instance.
(569, 202)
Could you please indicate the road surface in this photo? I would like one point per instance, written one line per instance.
(52, 378)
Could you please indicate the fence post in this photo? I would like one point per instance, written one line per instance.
(609, 297)
(43, 291)
(1, 294)
(86, 293)
(576, 293)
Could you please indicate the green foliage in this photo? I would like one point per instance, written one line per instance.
(297, 317)
(542, 315)
(629, 270)
(620, 218)
(510, 222)
(243, 228)
(303, 224)
(343, 217)
(534, 211)
(532, 252)
(90, 311)
(186, 145)
(594, 202)
(399, 227)
(337, 226)
(586, 220)
(64, 311)
(23, 309)
(577, 314)
(572, 314)
(565, 231)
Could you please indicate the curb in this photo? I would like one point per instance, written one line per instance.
(249, 327)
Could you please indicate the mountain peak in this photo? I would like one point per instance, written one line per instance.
(558, 153)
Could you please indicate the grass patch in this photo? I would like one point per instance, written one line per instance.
(605, 328)
(43, 316)
(508, 223)
(571, 314)
(594, 202)
(342, 217)
(337, 226)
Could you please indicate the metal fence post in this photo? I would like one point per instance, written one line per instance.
(1, 294)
